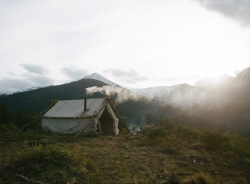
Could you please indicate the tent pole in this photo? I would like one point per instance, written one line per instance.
(84, 128)
(118, 114)
(91, 121)
(99, 125)
(37, 116)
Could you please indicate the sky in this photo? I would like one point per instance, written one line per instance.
(134, 43)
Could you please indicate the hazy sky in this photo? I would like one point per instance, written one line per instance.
(134, 43)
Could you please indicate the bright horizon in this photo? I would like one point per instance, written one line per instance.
(136, 44)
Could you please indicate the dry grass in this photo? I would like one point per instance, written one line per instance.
(113, 159)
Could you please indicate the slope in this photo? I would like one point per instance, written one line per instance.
(37, 100)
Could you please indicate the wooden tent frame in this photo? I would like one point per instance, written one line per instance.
(53, 102)
(96, 116)
(92, 118)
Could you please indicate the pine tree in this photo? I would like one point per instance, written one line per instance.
(4, 114)
(149, 119)
(166, 123)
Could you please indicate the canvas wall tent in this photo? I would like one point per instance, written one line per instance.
(68, 116)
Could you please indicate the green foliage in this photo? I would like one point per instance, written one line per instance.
(145, 129)
(171, 145)
(48, 154)
(149, 119)
(91, 166)
(212, 139)
(157, 132)
(3, 128)
(5, 115)
(9, 128)
(239, 144)
(185, 132)
(166, 123)
(22, 117)
(197, 179)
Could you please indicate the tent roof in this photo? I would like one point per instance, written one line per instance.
(75, 108)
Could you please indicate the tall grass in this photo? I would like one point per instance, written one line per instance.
(49, 154)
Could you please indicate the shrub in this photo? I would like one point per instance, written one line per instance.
(3, 128)
(48, 154)
(158, 132)
(145, 129)
(9, 128)
(198, 179)
(212, 139)
(172, 145)
(149, 119)
(12, 127)
(239, 144)
(185, 132)
(91, 166)
(166, 123)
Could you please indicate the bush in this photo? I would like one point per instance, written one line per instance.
(9, 128)
(158, 132)
(172, 145)
(145, 129)
(91, 166)
(3, 128)
(239, 144)
(185, 132)
(149, 119)
(198, 179)
(166, 123)
(48, 154)
(212, 139)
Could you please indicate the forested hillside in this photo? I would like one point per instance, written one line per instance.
(226, 106)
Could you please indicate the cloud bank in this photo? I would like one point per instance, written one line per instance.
(74, 72)
(36, 76)
(129, 76)
(238, 10)
(37, 69)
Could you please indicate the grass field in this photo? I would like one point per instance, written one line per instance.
(58, 158)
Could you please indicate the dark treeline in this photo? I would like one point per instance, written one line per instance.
(228, 107)
(15, 121)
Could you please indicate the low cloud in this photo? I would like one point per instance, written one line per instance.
(37, 69)
(130, 76)
(13, 84)
(238, 10)
(211, 80)
(42, 80)
(19, 84)
(74, 72)
(12, 73)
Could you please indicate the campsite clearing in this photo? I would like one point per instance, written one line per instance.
(111, 159)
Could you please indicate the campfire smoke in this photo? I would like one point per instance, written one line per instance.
(122, 93)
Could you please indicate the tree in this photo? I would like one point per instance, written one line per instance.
(4, 114)
(149, 119)
(22, 117)
(166, 123)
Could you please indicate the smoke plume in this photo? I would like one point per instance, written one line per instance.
(122, 93)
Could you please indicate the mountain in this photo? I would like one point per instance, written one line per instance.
(190, 95)
(38, 99)
(94, 76)
(98, 77)
(225, 105)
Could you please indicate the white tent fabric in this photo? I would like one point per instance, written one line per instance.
(75, 108)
